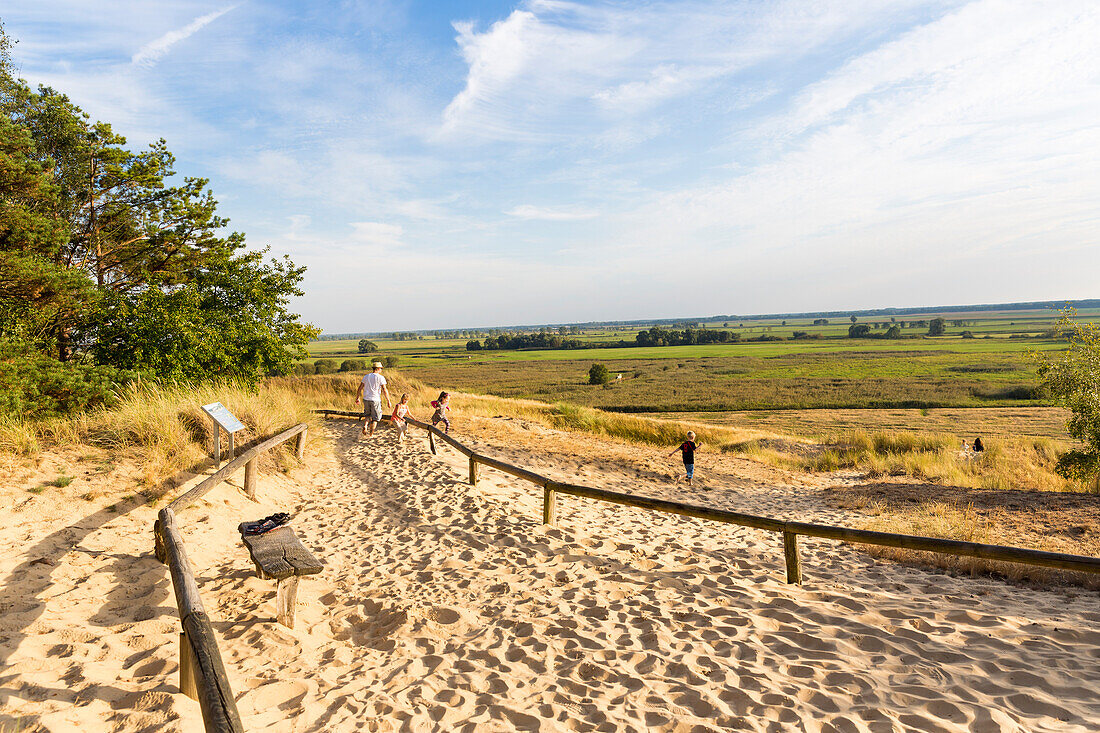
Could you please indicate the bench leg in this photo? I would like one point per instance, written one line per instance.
(286, 597)
(260, 572)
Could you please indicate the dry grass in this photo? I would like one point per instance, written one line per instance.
(1006, 463)
(162, 427)
(956, 521)
(168, 432)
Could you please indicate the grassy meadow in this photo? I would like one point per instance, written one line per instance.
(994, 368)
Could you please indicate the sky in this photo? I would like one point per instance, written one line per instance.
(465, 164)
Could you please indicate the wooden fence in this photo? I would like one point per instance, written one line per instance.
(790, 530)
(202, 674)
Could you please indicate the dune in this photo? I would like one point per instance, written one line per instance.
(450, 607)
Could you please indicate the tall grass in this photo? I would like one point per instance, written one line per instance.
(165, 429)
(1023, 463)
(162, 426)
(958, 522)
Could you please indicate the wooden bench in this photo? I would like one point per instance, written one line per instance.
(280, 555)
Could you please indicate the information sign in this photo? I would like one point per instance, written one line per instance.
(228, 422)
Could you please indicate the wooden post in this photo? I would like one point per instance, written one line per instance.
(217, 445)
(473, 470)
(250, 479)
(232, 447)
(431, 442)
(158, 542)
(549, 504)
(286, 596)
(189, 684)
(790, 553)
(300, 445)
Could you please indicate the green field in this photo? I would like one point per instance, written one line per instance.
(994, 368)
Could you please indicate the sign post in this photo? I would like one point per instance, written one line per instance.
(227, 421)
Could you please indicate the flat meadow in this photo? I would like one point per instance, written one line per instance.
(864, 403)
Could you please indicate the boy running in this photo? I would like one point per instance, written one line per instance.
(688, 448)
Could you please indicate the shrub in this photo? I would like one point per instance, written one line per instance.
(937, 327)
(599, 374)
(325, 366)
(366, 347)
(859, 331)
(390, 362)
(353, 365)
(304, 369)
(34, 385)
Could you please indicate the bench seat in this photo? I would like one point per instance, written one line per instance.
(280, 555)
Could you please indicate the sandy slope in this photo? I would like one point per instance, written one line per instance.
(448, 607)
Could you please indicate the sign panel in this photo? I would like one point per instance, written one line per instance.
(223, 417)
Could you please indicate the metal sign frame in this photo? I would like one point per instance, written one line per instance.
(225, 420)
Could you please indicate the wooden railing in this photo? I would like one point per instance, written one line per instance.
(790, 530)
(202, 673)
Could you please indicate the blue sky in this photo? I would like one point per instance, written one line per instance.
(461, 164)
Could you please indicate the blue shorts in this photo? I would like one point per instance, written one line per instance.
(690, 468)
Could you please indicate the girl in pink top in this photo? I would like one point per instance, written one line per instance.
(400, 412)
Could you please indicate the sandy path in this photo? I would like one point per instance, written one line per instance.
(449, 607)
(456, 609)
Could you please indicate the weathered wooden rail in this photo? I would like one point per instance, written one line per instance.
(790, 530)
(202, 673)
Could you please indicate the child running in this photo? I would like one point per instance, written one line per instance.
(442, 407)
(688, 448)
(400, 412)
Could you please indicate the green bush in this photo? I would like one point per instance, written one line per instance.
(325, 366)
(599, 374)
(354, 365)
(366, 347)
(390, 362)
(34, 385)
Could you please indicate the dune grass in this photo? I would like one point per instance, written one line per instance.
(1006, 463)
(164, 428)
(962, 522)
(161, 427)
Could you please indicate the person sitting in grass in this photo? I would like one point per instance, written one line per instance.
(978, 447)
(688, 448)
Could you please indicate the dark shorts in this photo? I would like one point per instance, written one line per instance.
(372, 410)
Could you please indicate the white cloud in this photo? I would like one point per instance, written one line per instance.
(961, 155)
(152, 52)
(548, 71)
(550, 214)
(377, 233)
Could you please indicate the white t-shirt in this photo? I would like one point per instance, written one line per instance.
(372, 386)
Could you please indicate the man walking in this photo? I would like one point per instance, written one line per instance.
(370, 391)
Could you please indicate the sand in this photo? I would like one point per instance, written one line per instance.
(449, 607)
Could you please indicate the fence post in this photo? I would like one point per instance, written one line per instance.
(189, 685)
(250, 479)
(431, 441)
(300, 444)
(158, 543)
(549, 504)
(473, 470)
(790, 553)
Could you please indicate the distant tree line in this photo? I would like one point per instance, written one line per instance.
(541, 340)
(331, 366)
